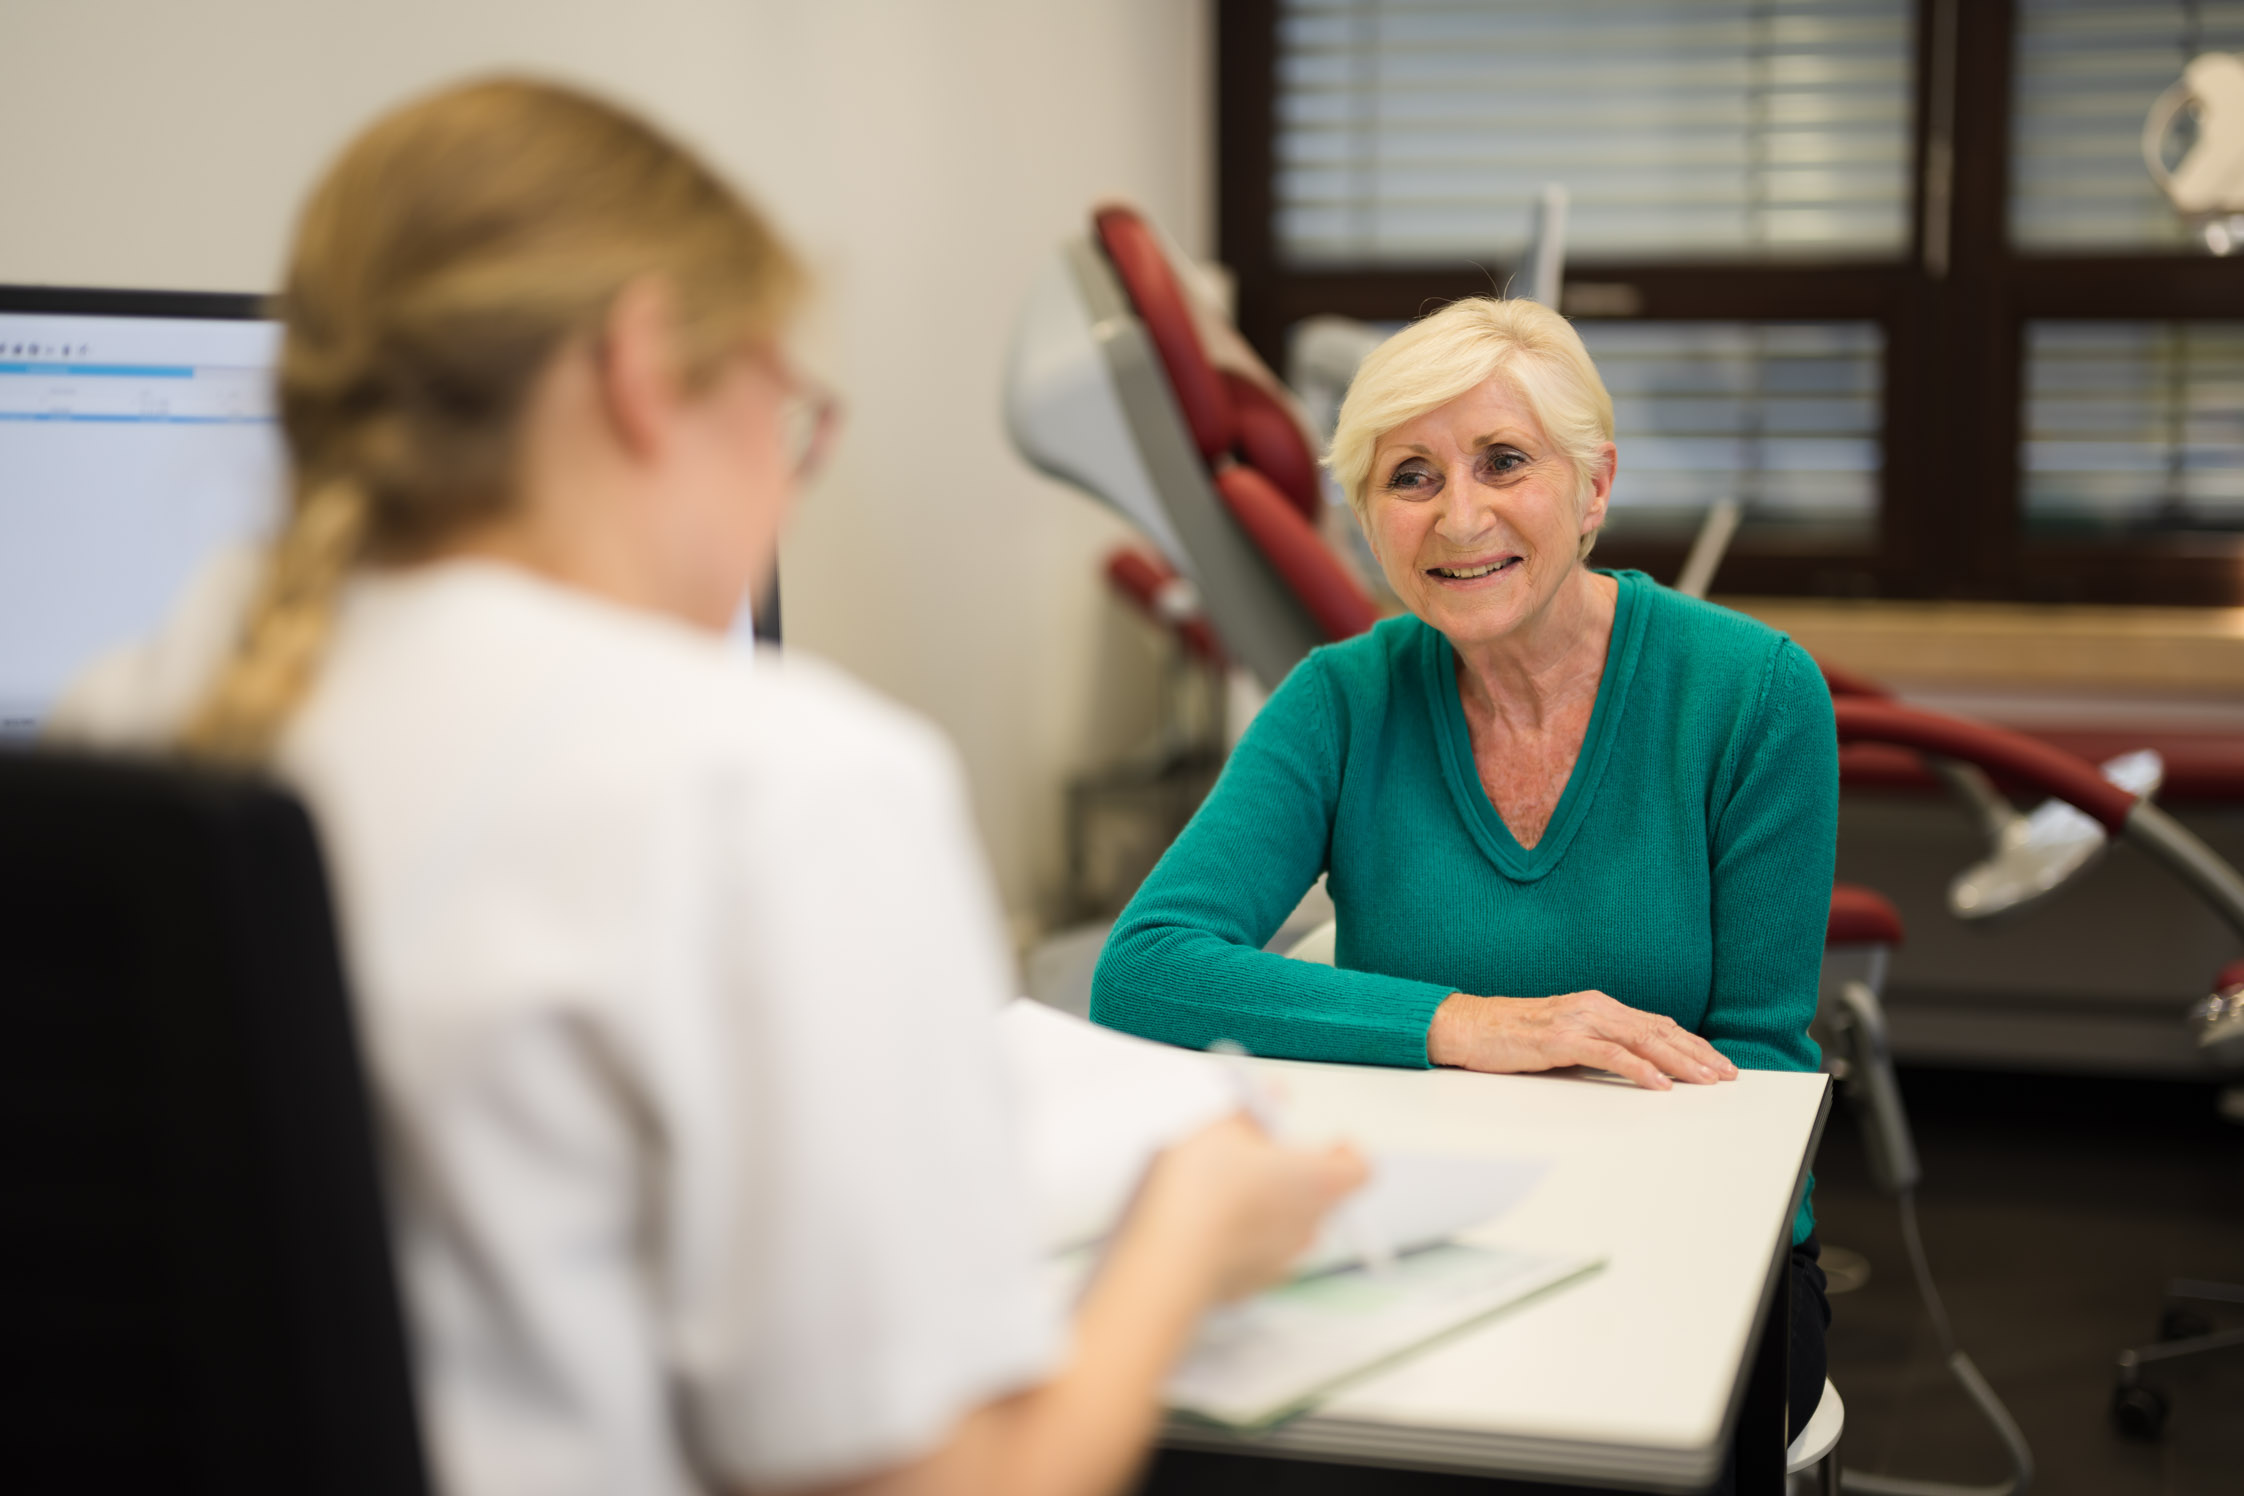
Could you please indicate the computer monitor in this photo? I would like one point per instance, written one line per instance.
(137, 440)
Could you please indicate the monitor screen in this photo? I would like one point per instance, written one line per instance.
(137, 439)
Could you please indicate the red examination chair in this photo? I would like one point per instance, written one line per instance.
(1111, 387)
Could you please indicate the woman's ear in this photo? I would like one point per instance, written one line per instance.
(635, 366)
(1600, 488)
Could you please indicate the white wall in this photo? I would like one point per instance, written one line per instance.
(925, 155)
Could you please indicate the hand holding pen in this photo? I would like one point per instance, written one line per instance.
(1262, 1102)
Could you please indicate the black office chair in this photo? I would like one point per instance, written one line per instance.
(195, 1283)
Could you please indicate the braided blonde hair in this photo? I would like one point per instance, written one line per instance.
(440, 267)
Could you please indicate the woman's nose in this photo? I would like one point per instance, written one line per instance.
(1465, 510)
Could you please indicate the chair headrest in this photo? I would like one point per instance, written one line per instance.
(1225, 409)
(1273, 493)
(1146, 275)
(1271, 443)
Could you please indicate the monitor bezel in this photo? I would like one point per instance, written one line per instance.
(93, 301)
(236, 306)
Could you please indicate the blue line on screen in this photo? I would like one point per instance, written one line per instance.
(108, 371)
(126, 420)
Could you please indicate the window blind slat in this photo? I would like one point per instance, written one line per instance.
(2134, 426)
(1414, 130)
(1783, 417)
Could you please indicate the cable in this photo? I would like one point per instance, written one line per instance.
(1966, 1373)
(1927, 1290)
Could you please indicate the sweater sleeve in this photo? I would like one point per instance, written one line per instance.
(1185, 962)
(1775, 844)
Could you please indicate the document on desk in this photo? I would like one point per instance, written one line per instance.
(1097, 1106)
(1278, 1353)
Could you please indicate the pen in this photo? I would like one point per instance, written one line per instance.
(1370, 1244)
(1254, 1099)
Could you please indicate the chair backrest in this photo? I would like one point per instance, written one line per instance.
(1262, 467)
(195, 1282)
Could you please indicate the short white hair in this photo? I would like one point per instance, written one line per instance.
(1459, 348)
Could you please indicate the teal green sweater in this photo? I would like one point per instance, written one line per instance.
(1686, 870)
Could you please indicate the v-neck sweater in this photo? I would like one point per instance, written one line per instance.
(1686, 869)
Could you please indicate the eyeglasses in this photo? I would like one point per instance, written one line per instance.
(809, 415)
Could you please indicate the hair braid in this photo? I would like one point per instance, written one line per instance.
(442, 264)
(286, 633)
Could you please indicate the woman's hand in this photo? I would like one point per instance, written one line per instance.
(1511, 1034)
(1240, 1207)
(1220, 1214)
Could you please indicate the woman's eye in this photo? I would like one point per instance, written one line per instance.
(1503, 460)
(1412, 479)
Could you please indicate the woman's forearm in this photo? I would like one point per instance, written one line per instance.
(1085, 1432)
(1191, 987)
(1218, 1216)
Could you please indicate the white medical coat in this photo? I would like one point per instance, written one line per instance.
(674, 967)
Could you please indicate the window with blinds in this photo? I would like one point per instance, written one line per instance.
(2086, 74)
(1417, 130)
(2134, 426)
(1782, 416)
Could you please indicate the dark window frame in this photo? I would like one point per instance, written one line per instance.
(1949, 522)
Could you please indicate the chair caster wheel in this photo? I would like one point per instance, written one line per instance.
(2183, 1324)
(2139, 1412)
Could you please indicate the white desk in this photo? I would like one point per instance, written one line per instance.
(1631, 1377)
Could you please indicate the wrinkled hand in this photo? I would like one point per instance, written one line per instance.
(1511, 1034)
(1241, 1206)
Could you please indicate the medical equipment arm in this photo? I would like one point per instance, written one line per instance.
(2056, 773)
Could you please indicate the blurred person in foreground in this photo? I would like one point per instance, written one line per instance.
(677, 963)
(1566, 816)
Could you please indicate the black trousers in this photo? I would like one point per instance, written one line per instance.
(1811, 1318)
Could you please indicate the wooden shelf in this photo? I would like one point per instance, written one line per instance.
(2164, 651)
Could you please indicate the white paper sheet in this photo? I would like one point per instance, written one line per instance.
(1096, 1106)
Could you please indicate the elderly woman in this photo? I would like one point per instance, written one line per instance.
(1566, 816)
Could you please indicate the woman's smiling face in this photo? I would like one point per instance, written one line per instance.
(1477, 519)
